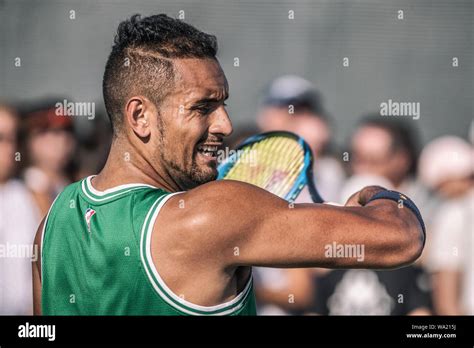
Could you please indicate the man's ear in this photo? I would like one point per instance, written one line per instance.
(138, 112)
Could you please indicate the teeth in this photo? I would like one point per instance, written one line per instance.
(208, 148)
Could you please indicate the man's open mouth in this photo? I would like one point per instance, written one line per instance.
(208, 150)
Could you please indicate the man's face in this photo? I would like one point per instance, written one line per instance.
(193, 122)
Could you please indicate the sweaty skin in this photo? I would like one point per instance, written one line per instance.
(206, 238)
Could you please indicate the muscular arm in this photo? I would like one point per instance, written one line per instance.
(241, 225)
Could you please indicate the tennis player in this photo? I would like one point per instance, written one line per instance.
(154, 234)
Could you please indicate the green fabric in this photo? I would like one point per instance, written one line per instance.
(105, 270)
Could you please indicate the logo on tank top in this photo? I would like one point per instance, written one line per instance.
(89, 214)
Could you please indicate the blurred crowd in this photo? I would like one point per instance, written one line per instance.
(42, 151)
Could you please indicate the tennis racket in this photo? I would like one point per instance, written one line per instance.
(280, 162)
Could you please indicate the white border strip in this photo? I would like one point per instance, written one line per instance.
(131, 187)
(113, 189)
(108, 197)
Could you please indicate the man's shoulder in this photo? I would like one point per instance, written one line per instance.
(213, 201)
(225, 189)
(218, 210)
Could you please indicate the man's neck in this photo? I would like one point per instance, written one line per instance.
(126, 166)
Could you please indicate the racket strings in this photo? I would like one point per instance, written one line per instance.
(297, 165)
(273, 163)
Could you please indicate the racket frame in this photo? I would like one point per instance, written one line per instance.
(304, 178)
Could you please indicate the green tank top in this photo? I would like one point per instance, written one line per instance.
(96, 258)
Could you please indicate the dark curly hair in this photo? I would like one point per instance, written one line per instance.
(141, 59)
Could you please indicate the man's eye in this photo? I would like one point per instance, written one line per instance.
(207, 109)
(204, 110)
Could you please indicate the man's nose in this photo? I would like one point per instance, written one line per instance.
(220, 122)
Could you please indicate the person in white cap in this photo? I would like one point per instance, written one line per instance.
(446, 166)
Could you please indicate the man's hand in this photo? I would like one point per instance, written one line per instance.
(360, 198)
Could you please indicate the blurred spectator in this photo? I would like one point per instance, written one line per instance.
(94, 138)
(50, 145)
(383, 152)
(388, 148)
(283, 291)
(293, 104)
(446, 166)
(367, 292)
(19, 219)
